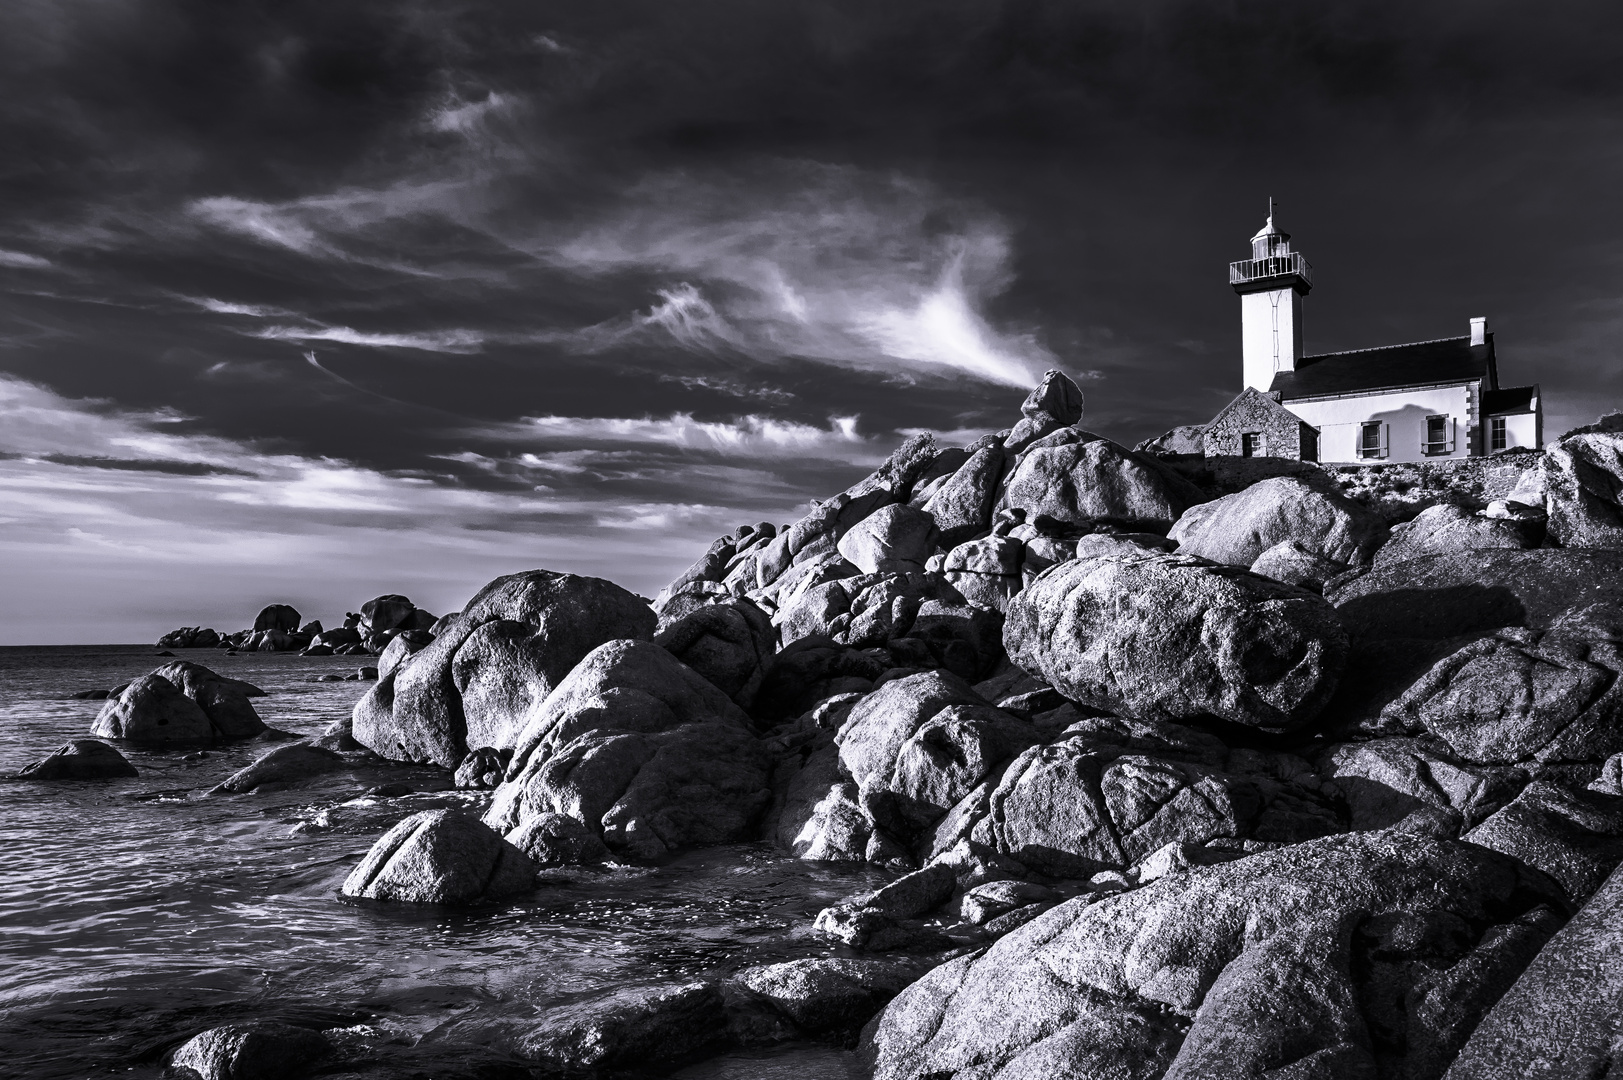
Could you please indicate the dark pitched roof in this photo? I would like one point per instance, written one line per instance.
(1511, 399)
(1423, 363)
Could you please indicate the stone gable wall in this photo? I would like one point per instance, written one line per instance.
(1281, 432)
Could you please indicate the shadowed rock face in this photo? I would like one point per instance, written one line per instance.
(731, 644)
(152, 710)
(180, 703)
(642, 751)
(1451, 595)
(1563, 1018)
(282, 617)
(258, 1051)
(962, 505)
(441, 857)
(81, 759)
(1576, 837)
(1525, 695)
(1365, 955)
(1171, 637)
(515, 641)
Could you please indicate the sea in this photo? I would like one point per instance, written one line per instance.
(135, 913)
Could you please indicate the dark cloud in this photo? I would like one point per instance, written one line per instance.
(628, 273)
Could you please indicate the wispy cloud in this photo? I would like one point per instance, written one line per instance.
(442, 341)
(817, 261)
(741, 436)
(23, 261)
(790, 259)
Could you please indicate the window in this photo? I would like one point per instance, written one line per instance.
(1310, 443)
(1497, 425)
(1369, 439)
(1437, 440)
(1251, 444)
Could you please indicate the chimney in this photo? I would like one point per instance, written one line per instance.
(1479, 330)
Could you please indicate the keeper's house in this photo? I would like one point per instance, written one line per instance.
(1416, 402)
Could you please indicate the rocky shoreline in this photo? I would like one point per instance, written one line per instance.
(1173, 775)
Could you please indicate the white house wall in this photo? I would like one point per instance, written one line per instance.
(1521, 429)
(1403, 412)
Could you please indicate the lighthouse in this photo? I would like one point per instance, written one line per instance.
(1271, 285)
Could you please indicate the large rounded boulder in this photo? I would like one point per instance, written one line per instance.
(474, 684)
(1584, 472)
(643, 752)
(441, 857)
(153, 710)
(1446, 529)
(1076, 478)
(1238, 528)
(279, 617)
(1173, 637)
(225, 701)
(1366, 955)
(918, 745)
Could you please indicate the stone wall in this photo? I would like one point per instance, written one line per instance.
(1281, 432)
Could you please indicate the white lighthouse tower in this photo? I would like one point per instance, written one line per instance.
(1271, 285)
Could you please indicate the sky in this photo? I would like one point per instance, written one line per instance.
(305, 302)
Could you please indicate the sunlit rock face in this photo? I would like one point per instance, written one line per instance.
(513, 643)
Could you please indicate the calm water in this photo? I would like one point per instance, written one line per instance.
(127, 925)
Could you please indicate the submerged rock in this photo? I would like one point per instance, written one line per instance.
(829, 994)
(441, 857)
(254, 1051)
(81, 759)
(643, 1028)
(284, 765)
